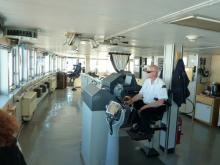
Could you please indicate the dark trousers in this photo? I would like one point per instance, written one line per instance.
(145, 117)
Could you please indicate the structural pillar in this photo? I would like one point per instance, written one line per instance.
(168, 137)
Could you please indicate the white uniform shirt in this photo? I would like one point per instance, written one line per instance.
(157, 89)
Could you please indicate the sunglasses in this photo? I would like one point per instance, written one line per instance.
(149, 71)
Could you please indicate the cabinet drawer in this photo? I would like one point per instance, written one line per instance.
(204, 100)
(203, 112)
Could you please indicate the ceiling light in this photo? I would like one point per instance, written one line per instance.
(192, 38)
(83, 42)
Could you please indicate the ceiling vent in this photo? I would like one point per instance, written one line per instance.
(200, 22)
(20, 32)
(82, 40)
(118, 40)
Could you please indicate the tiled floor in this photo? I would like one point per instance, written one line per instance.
(53, 137)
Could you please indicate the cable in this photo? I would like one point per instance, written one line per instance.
(186, 113)
(19, 132)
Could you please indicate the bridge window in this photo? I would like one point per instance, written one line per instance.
(10, 69)
(58, 63)
(32, 64)
(4, 72)
(54, 63)
(20, 62)
(63, 63)
(102, 66)
(15, 67)
(47, 63)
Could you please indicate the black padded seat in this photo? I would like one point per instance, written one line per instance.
(44, 88)
(39, 92)
(47, 84)
(153, 126)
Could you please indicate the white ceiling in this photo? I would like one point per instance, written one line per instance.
(143, 22)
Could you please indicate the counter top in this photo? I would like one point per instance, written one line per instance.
(206, 99)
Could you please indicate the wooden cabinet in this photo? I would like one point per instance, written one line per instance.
(207, 109)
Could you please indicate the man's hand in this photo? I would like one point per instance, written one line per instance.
(160, 102)
(128, 100)
(153, 104)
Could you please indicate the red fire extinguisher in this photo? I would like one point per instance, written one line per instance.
(179, 129)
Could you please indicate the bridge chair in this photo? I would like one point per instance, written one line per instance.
(149, 150)
(73, 76)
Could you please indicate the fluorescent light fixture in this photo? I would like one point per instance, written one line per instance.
(207, 19)
(197, 21)
(181, 19)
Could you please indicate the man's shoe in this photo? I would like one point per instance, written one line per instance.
(135, 128)
(142, 136)
(149, 137)
(139, 136)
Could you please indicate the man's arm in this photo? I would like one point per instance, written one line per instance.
(135, 98)
(153, 104)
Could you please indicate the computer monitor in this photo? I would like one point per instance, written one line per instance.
(128, 80)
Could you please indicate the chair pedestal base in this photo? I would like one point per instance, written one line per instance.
(150, 152)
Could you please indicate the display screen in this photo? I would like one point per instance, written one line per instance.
(128, 79)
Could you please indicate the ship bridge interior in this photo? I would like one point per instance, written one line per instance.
(43, 42)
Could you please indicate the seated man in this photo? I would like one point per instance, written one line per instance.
(76, 73)
(148, 102)
(77, 70)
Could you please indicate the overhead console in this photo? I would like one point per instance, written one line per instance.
(121, 84)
